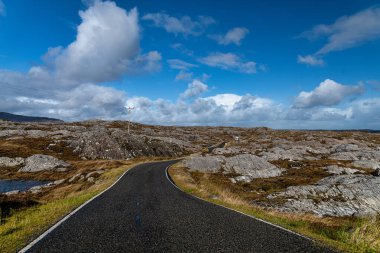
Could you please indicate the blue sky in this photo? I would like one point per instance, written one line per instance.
(282, 64)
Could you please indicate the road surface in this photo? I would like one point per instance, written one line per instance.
(144, 212)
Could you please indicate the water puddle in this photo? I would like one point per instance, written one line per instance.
(21, 185)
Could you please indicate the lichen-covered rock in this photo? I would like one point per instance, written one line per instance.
(291, 154)
(228, 151)
(37, 163)
(246, 165)
(11, 162)
(101, 143)
(345, 195)
(368, 164)
(336, 170)
(204, 163)
(251, 166)
(346, 148)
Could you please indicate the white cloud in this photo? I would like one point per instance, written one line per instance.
(106, 45)
(225, 100)
(184, 25)
(184, 76)
(2, 8)
(347, 31)
(223, 109)
(328, 93)
(233, 36)
(194, 89)
(229, 61)
(181, 65)
(67, 86)
(310, 60)
(36, 96)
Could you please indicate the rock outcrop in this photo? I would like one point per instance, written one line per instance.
(36, 163)
(11, 162)
(336, 170)
(345, 195)
(100, 143)
(248, 166)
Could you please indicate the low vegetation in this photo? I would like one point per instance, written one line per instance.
(346, 234)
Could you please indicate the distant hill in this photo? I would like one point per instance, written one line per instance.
(20, 118)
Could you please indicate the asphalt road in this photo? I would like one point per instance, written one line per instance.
(144, 212)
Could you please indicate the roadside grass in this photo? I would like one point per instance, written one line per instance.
(343, 234)
(24, 225)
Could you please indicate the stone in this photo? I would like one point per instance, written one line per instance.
(344, 195)
(346, 148)
(11, 162)
(251, 166)
(74, 178)
(376, 173)
(58, 182)
(248, 166)
(204, 163)
(36, 163)
(227, 151)
(12, 192)
(36, 189)
(291, 154)
(368, 164)
(336, 170)
(95, 173)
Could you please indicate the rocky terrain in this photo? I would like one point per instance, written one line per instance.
(61, 153)
(327, 173)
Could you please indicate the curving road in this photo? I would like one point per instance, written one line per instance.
(144, 212)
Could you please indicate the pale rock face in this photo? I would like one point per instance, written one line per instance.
(345, 195)
(336, 170)
(251, 166)
(11, 162)
(246, 165)
(204, 163)
(228, 151)
(369, 164)
(98, 142)
(291, 154)
(36, 163)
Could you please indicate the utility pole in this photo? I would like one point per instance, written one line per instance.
(129, 111)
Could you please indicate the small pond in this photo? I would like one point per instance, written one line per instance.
(21, 185)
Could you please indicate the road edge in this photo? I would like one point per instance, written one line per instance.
(248, 215)
(57, 224)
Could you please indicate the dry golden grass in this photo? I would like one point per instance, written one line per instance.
(344, 234)
(25, 146)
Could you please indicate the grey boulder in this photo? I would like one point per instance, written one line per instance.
(11, 162)
(247, 166)
(36, 163)
(345, 195)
